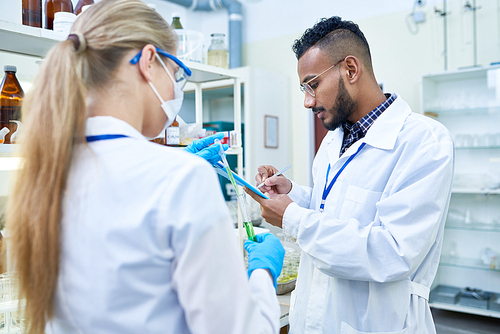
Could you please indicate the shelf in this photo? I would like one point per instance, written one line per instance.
(11, 306)
(37, 42)
(474, 227)
(475, 191)
(465, 309)
(457, 262)
(496, 147)
(459, 75)
(206, 73)
(26, 40)
(433, 112)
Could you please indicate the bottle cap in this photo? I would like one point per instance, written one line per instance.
(10, 68)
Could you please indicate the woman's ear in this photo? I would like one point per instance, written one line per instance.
(148, 58)
(353, 66)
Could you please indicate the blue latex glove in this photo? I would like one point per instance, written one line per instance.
(266, 253)
(203, 148)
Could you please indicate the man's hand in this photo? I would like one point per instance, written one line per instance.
(272, 209)
(273, 185)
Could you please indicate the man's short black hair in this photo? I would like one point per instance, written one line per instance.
(337, 37)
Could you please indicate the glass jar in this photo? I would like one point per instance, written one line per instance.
(218, 54)
(54, 6)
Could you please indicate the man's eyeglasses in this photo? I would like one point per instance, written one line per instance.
(305, 87)
(182, 73)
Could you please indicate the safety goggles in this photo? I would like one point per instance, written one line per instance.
(181, 75)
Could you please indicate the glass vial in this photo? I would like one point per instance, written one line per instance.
(32, 13)
(54, 6)
(80, 4)
(11, 98)
(218, 54)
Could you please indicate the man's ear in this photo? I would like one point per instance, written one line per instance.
(353, 67)
(146, 62)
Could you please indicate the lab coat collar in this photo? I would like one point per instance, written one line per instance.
(101, 125)
(386, 128)
(382, 134)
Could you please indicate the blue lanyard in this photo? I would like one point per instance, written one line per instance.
(104, 137)
(326, 190)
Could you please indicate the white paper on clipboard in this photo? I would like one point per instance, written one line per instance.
(239, 181)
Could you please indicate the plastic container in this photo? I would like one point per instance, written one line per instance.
(190, 46)
(63, 22)
(445, 294)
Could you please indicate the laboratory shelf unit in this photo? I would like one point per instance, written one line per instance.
(467, 102)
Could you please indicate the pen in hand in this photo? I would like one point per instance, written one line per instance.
(278, 173)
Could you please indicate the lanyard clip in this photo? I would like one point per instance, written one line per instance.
(322, 206)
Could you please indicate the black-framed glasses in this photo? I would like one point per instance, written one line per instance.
(181, 75)
(305, 87)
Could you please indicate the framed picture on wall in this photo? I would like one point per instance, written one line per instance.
(271, 131)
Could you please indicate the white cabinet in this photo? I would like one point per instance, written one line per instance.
(467, 102)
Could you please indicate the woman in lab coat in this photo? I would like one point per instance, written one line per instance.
(111, 233)
(371, 228)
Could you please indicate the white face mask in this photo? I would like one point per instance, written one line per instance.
(170, 107)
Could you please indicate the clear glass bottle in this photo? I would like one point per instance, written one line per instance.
(32, 13)
(11, 98)
(218, 54)
(54, 6)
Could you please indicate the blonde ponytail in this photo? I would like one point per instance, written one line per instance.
(54, 115)
(54, 119)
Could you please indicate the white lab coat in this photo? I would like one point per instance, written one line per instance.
(369, 259)
(148, 245)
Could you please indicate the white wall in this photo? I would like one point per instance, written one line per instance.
(400, 58)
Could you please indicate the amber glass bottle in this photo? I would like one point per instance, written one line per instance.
(176, 21)
(54, 6)
(81, 3)
(11, 98)
(32, 13)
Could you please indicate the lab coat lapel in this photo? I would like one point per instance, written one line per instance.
(386, 128)
(334, 143)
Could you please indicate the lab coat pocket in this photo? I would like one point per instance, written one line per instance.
(360, 204)
(346, 329)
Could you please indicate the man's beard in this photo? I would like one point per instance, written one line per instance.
(341, 110)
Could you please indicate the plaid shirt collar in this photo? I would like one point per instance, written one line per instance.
(352, 133)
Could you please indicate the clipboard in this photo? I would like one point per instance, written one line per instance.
(219, 168)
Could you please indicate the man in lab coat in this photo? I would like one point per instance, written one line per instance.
(371, 228)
